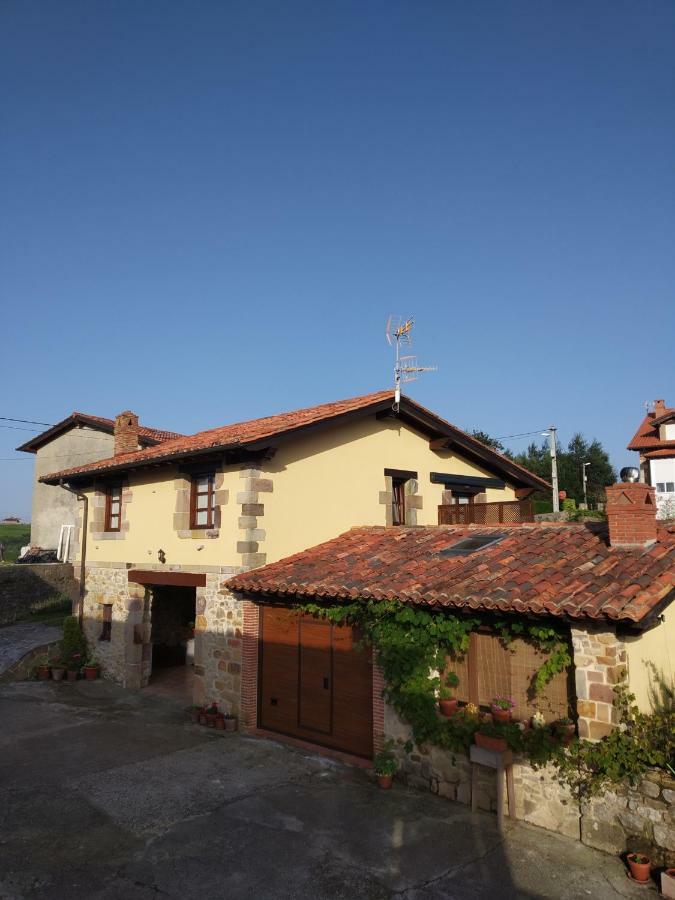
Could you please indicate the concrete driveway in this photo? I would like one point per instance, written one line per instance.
(106, 794)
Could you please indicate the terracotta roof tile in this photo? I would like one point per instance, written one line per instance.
(647, 435)
(557, 570)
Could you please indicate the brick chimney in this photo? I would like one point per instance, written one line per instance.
(631, 514)
(660, 408)
(126, 433)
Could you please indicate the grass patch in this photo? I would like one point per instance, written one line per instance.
(13, 537)
(53, 615)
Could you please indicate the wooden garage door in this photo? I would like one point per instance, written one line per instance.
(315, 683)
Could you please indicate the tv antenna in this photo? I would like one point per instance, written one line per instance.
(399, 333)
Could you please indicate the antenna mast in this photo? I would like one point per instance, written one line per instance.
(398, 332)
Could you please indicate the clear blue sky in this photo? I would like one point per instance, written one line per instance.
(209, 209)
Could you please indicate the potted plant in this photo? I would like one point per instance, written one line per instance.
(491, 736)
(385, 766)
(640, 867)
(220, 721)
(564, 729)
(668, 883)
(211, 715)
(230, 722)
(447, 701)
(73, 667)
(501, 708)
(91, 670)
(42, 669)
(195, 712)
(58, 670)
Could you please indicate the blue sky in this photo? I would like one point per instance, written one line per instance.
(209, 209)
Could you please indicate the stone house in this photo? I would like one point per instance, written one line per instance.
(610, 588)
(78, 439)
(166, 526)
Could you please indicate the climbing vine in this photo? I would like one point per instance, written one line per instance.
(411, 644)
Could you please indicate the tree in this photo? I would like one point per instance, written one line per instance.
(599, 474)
(489, 441)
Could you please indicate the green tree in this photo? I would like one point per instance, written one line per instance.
(599, 474)
(492, 442)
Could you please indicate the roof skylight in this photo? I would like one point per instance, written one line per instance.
(471, 544)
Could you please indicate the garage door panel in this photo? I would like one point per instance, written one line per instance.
(315, 675)
(279, 688)
(352, 693)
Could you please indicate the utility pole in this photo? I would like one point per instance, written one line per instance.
(583, 481)
(554, 469)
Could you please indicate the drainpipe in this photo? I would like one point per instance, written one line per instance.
(83, 547)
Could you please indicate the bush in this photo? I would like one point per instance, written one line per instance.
(73, 644)
(570, 504)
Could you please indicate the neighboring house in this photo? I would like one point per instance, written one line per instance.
(11, 520)
(169, 524)
(76, 440)
(610, 587)
(655, 442)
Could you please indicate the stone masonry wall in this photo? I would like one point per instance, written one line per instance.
(218, 644)
(600, 664)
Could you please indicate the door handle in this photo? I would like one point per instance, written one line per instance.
(325, 684)
(273, 701)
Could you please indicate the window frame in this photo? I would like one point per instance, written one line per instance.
(398, 501)
(109, 513)
(210, 507)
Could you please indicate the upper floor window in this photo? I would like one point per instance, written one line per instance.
(113, 508)
(400, 488)
(202, 506)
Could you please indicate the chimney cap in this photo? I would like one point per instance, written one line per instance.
(629, 474)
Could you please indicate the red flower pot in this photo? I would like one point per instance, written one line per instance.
(640, 871)
(203, 719)
(497, 744)
(72, 674)
(43, 673)
(385, 781)
(501, 715)
(91, 673)
(220, 722)
(448, 708)
(194, 715)
(211, 720)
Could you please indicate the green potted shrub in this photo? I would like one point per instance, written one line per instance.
(496, 736)
(42, 669)
(91, 669)
(447, 700)
(640, 867)
(73, 647)
(385, 766)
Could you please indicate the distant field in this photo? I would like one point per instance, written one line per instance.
(14, 537)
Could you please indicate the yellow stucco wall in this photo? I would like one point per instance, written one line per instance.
(652, 656)
(324, 483)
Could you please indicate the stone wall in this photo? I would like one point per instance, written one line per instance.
(218, 644)
(27, 588)
(639, 819)
(600, 665)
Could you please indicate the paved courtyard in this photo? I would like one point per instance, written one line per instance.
(107, 794)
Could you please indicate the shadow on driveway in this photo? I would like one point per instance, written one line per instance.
(107, 794)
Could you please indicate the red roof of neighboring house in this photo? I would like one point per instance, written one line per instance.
(647, 435)
(665, 452)
(146, 435)
(543, 569)
(256, 433)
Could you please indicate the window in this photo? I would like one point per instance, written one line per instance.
(113, 508)
(202, 502)
(670, 487)
(106, 629)
(660, 487)
(489, 669)
(398, 501)
(471, 544)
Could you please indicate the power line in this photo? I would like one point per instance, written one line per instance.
(25, 421)
(504, 437)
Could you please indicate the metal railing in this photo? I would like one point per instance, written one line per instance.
(508, 512)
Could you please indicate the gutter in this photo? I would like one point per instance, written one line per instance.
(83, 546)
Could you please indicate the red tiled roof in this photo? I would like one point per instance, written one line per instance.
(543, 569)
(665, 453)
(647, 435)
(149, 435)
(255, 431)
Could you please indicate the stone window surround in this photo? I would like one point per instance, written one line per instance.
(181, 517)
(413, 500)
(98, 508)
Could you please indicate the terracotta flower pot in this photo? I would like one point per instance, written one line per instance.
(194, 715)
(231, 724)
(501, 715)
(202, 718)
(448, 708)
(497, 744)
(91, 673)
(43, 673)
(57, 673)
(565, 732)
(385, 781)
(668, 883)
(72, 674)
(211, 720)
(220, 722)
(639, 870)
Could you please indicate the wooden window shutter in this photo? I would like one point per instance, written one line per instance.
(492, 668)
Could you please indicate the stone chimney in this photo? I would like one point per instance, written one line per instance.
(631, 514)
(660, 408)
(126, 433)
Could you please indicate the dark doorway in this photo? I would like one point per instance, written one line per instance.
(173, 623)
